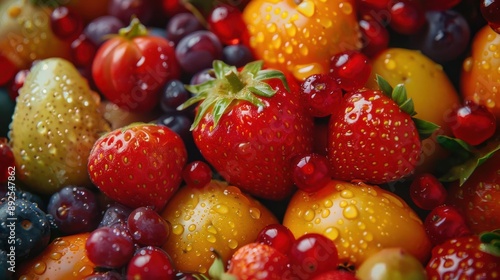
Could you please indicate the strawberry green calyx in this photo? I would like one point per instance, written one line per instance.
(399, 95)
(490, 242)
(135, 29)
(217, 270)
(231, 85)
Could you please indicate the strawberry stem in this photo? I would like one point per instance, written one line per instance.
(234, 81)
(135, 29)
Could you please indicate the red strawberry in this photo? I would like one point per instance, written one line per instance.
(374, 137)
(258, 261)
(470, 257)
(249, 126)
(138, 165)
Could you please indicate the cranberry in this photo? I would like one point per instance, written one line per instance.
(227, 23)
(83, 51)
(351, 69)
(311, 172)
(321, 95)
(473, 123)
(150, 263)
(312, 254)
(110, 247)
(427, 192)
(278, 236)
(407, 16)
(375, 36)
(197, 174)
(445, 222)
(147, 227)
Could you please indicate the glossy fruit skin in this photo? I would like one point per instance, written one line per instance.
(459, 258)
(277, 236)
(150, 263)
(478, 197)
(147, 227)
(427, 192)
(351, 214)
(391, 263)
(64, 258)
(288, 36)
(51, 143)
(353, 134)
(216, 216)
(258, 261)
(473, 123)
(429, 82)
(109, 247)
(152, 156)
(445, 222)
(129, 71)
(478, 79)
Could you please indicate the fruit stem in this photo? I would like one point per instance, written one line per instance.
(135, 29)
(234, 81)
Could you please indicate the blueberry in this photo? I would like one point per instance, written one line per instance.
(24, 226)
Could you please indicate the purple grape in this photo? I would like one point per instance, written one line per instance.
(116, 213)
(237, 55)
(99, 28)
(147, 227)
(172, 95)
(126, 9)
(179, 123)
(446, 36)
(109, 247)
(181, 25)
(75, 209)
(198, 50)
(202, 76)
(108, 275)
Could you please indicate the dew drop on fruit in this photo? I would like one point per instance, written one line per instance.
(367, 236)
(343, 204)
(467, 64)
(350, 212)
(211, 229)
(325, 213)
(346, 8)
(308, 215)
(192, 227)
(291, 29)
(254, 213)
(346, 194)
(40, 127)
(231, 243)
(390, 64)
(177, 229)
(39, 268)
(221, 209)
(306, 8)
(332, 233)
(189, 247)
(211, 238)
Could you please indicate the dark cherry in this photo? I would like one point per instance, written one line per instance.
(181, 25)
(66, 23)
(150, 263)
(310, 172)
(147, 227)
(103, 26)
(278, 236)
(374, 35)
(173, 7)
(110, 247)
(197, 174)
(445, 222)
(227, 23)
(427, 192)
(473, 123)
(106, 275)
(490, 9)
(407, 16)
(304, 252)
(126, 9)
(351, 69)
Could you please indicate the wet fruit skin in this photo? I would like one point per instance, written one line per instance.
(64, 258)
(283, 33)
(480, 78)
(427, 84)
(360, 219)
(215, 216)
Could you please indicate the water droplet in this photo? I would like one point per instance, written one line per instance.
(291, 29)
(347, 194)
(306, 8)
(192, 227)
(74, 247)
(56, 256)
(177, 229)
(40, 127)
(346, 8)
(331, 232)
(211, 238)
(221, 209)
(255, 213)
(303, 71)
(39, 268)
(232, 243)
(325, 213)
(328, 203)
(361, 226)
(343, 204)
(271, 27)
(189, 247)
(485, 64)
(309, 215)
(350, 212)
(211, 229)
(390, 64)
(367, 236)
(490, 103)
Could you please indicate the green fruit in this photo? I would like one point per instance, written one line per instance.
(391, 264)
(55, 124)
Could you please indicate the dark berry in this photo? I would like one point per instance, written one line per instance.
(278, 236)
(150, 263)
(490, 9)
(106, 275)
(237, 55)
(115, 213)
(407, 16)
(109, 247)
(83, 51)
(310, 172)
(66, 23)
(440, 5)
(74, 209)
(24, 226)
(99, 28)
(197, 50)
(202, 76)
(197, 174)
(181, 25)
(172, 95)
(227, 23)
(147, 227)
(374, 35)
(124, 10)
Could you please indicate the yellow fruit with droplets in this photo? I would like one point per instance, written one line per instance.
(361, 219)
(301, 36)
(217, 216)
(429, 87)
(480, 79)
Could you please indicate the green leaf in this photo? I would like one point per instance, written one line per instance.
(425, 128)
(202, 110)
(254, 100)
(220, 107)
(408, 107)
(456, 146)
(253, 67)
(399, 94)
(200, 88)
(262, 89)
(490, 242)
(272, 74)
(221, 69)
(384, 86)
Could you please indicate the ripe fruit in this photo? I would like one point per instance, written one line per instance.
(291, 35)
(277, 236)
(321, 95)
(445, 222)
(480, 78)
(54, 126)
(472, 257)
(150, 263)
(391, 263)
(64, 258)
(138, 165)
(360, 219)
(473, 123)
(427, 192)
(249, 125)
(424, 80)
(310, 172)
(351, 69)
(217, 216)
(147, 227)
(110, 247)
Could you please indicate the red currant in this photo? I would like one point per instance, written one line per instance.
(351, 69)
(440, 5)
(83, 51)
(277, 236)
(7, 159)
(65, 23)
(427, 192)
(197, 174)
(445, 222)
(110, 247)
(321, 95)
(227, 23)
(310, 172)
(17, 83)
(312, 254)
(407, 16)
(150, 263)
(473, 123)
(490, 9)
(7, 70)
(375, 36)
(147, 227)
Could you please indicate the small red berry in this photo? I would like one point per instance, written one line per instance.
(311, 172)
(197, 174)
(17, 83)
(473, 123)
(313, 254)
(83, 51)
(227, 23)
(277, 236)
(490, 9)
(407, 16)
(427, 192)
(445, 222)
(151, 263)
(65, 23)
(351, 69)
(321, 95)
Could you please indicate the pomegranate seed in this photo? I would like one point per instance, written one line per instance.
(197, 174)
(321, 95)
(445, 222)
(407, 16)
(227, 23)
(351, 69)
(277, 236)
(427, 192)
(473, 123)
(65, 23)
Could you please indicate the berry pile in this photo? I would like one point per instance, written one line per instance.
(251, 139)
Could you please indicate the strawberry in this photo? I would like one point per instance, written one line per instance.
(54, 126)
(249, 125)
(138, 165)
(472, 257)
(374, 137)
